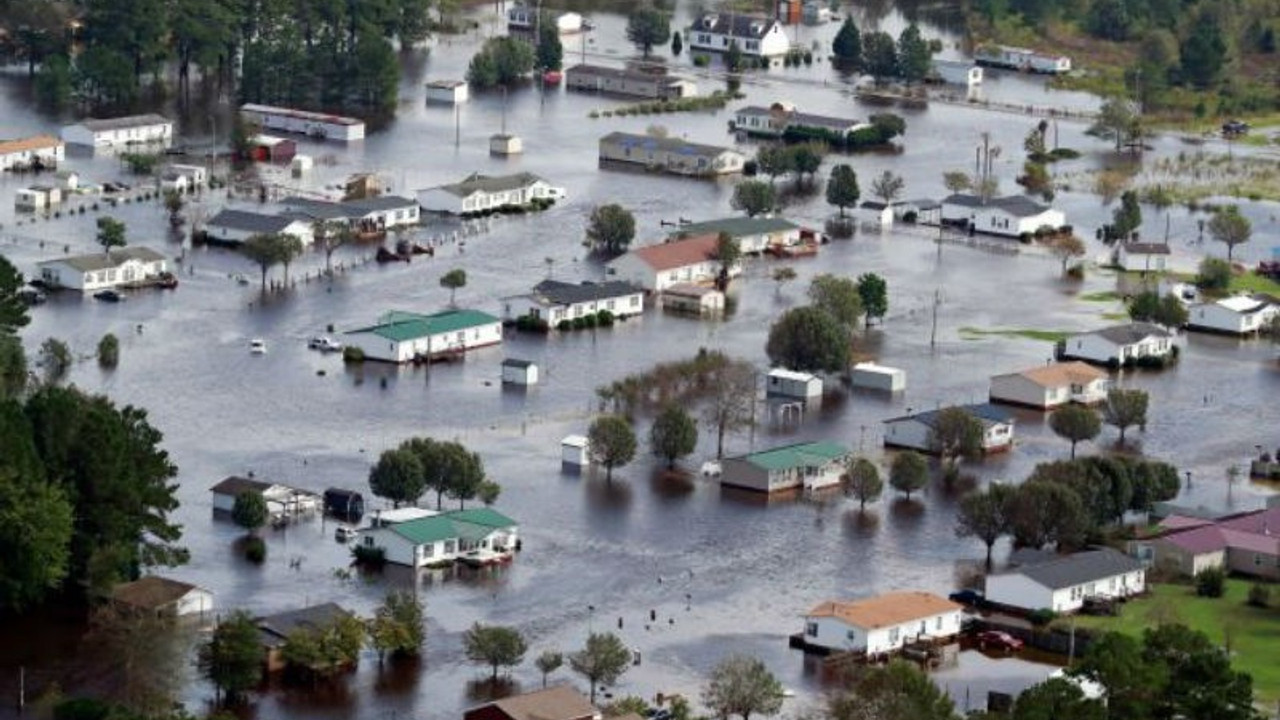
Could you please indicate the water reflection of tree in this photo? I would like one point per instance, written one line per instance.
(400, 676)
(671, 484)
(488, 689)
(861, 523)
(906, 513)
(148, 657)
(602, 495)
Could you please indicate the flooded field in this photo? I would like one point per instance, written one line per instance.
(721, 572)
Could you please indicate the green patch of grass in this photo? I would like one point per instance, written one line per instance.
(1028, 334)
(1104, 296)
(1254, 632)
(1253, 282)
(1116, 317)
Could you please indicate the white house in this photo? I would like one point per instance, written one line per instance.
(1016, 58)
(553, 301)
(118, 132)
(754, 235)
(695, 299)
(1052, 385)
(1236, 315)
(448, 92)
(1062, 584)
(321, 126)
(480, 193)
(915, 432)
(519, 372)
(1010, 216)
(781, 382)
(1119, 345)
(444, 537)
(97, 271)
(183, 178)
(957, 73)
(778, 118)
(670, 155)
(755, 35)
(40, 151)
(37, 197)
(804, 465)
(155, 594)
(401, 337)
(235, 226)
(870, 376)
(658, 267)
(881, 624)
(383, 212)
(1141, 256)
(646, 83)
(282, 500)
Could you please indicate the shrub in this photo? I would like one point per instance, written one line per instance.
(1076, 272)
(578, 323)
(369, 556)
(604, 318)
(1259, 595)
(589, 321)
(1211, 583)
(1214, 274)
(910, 217)
(352, 354)
(750, 168)
(109, 351)
(564, 325)
(701, 61)
(255, 550)
(1041, 617)
(82, 709)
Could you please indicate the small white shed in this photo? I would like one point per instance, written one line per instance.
(574, 451)
(301, 165)
(505, 144)
(519, 372)
(871, 376)
(788, 383)
(448, 92)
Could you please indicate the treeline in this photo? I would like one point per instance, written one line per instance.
(909, 58)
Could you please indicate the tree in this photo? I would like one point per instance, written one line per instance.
(330, 236)
(733, 57)
(742, 685)
(1057, 699)
(1150, 306)
(842, 188)
(1126, 408)
(501, 61)
(1075, 423)
(879, 56)
(459, 472)
(325, 649)
(677, 44)
(1204, 51)
(489, 492)
(908, 472)
(602, 661)
(806, 158)
(847, 45)
(774, 160)
(730, 404)
(612, 443)
(111, 233)
(452, 281)
(13, 366)
(397, 626)
(495, 646)
(56, 359)
(1133, 686)
(398, 476)
(174, 203)
(864, 481)
(290, 248)
(874, 293)
(808, 339)
(232, 658)
(550, 660)
(109, 351)
(1214, 274)
(985, 515)
(895, 691)
(956, 434)
(838, 297)
(1045, 513)
(1117, 120)
(915, 59)
(957, 181)
(782, 276)
(35, 525)
(1201, 681)
(673, 435)
(887, 186)
(646, 27)
(728, 253)
(610, 229)
(249, 511)
(1066, 248)
(1127, 218)
(1230, 228)
(266, 251)
(550, 51)
(754, 197)
(13, 311)
(54, 83)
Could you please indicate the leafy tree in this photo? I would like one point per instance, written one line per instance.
(330, 236)
(610, 229)
(13, 311)
(1110, 20)
(111, 233)
(232, 657)
(1214, 274)
(265, 250)
(1075, 424)
(550, 51)
(887, 186)
(864, 481)
(108, 351)
(602, 661)
(677, 44)
(874, 294)
(908, 473)
(1117, 120)
(838, 297)
(1127, 218)
(733, 57)
(985, 515)
(775, 160)
(808, 339)
(1204, 51)
(501, 61)
(397, 627)
(1134, 687)
(806, 158)
(847, 45)
(326, 649)
(842, 188)
(459, 472)
(13, 366)
(54, 83)
(35, 529)
(742, 685)
(890, 692)
(646, 27)
(1044, 513)
(452, 281)
(249, 511)
(1230, 228)
(728, 253)
(754, 197)
(1126, 408)
(56, 359)
(1067, 248)
(957, 181)
(957, 434)
(1056, 699)
(782, 276)
(626, 705)
(550, 660)
(290, 248)
(1150, 306)
(730, 404)
(612, 443)
(489, 492)
(1202, 682)
(879, 55)
(915, 59)
(673, 434)
(398, 476)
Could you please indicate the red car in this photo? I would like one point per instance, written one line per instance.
(998, 640)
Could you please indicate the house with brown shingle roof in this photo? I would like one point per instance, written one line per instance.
(39, 151)
(159, 595)
(560, 702)
(689, 260)
(880, 624)
(1052, 385)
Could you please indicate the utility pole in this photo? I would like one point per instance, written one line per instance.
(933, 332)
(457, 125)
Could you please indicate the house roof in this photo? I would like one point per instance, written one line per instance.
(475, 182)
(735, 24)
(151, 592)
(678, 253)
(737, 226)
(1146, 248)
(276, 628)
(251, 222)
(802, 119)
(103, 261)
(560, 702)
(1182, 522)
(666, 144)
(1080, 568)
(129, 121)
(446, 84)
(515, 363)
(1131, 333)
(236, 485)
(1256, 531)
(1245, 304)
(1060, 374)
(792, 375)
(471, 524)
(488, 517)
(1018, 205)
(886, 610)
(1198, 540)
(380, 202)
(316, 209)
(399, 326)
(986, 413)
(300, 114)
(37, 142)
(622, 73)
(563, 293)
(797, 455)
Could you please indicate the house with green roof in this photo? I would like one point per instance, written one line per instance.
(807, 466)
(754, 235)
(473, 535)
(402, 337)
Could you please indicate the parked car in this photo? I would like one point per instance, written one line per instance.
(109, 296)
(31, 296)
(344, 533)
(966, 597)
(324, 343)
(1235, 127)
(258, 346)
(998, 640)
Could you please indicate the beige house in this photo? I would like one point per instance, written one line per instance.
(670, 155)
(1052, 385)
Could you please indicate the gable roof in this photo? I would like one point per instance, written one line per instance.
(1145, 248)
(986, 413)
(737, 226)
(1017, 205)
(886, 610)
(801, 119)
(236, 485)
(276, 628)
(37, 142)
(400, 326)
(150, 592)
(658, 75)
(475, 182)
(678, 253)
(736, 24)
(796, 456)
(1245, 304)
(104, 261)
(560, 702)
(1080, 568)
(471, 524)
(379, 202)
(316, 209)
(563, 293)
(128, 121)
(1061, 373)
(666, 144)
(248, 221)
(1131, 333)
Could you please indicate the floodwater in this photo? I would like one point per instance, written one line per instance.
(721, 572)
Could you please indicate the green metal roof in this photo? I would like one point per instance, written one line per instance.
(473, 524)
(487, 517)
(399, 326)
(426, 530)
(795, 456)
(737, 227)
(471, 531)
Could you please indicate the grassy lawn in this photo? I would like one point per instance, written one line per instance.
(1254, 632)
(1248, 282)
(1104, 296)
(1116, 316)
(973, 333)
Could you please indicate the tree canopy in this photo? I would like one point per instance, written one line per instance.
(842, 188)
(602, 661)
(495, 646)
(673, 435)
(808, 339)
(610, 229)
(741, 685)
(648, 26)
(612, 443)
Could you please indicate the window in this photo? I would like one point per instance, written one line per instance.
(811, 629)
(851, 635)
(609, 305)
(450, 546)
(635, 300)
(368, 541)
(428, 550)
(893, 635)
(937, 623)
(1257, 558)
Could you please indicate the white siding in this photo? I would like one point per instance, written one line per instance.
(836, 634)
(61, 274)
(908, 433)
(376, 347)
(1016, 590)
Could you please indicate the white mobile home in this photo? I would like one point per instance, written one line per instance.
(804, 465)
(1141, 256)
(183, 178)
(870, 376)
(38, 152)
(1052, 385)
(1119, 345)
(628, 83)
(1010, 216)
(754, 235)
(321, 126)
(1022, 59)
(519, 372)
(780, 117)
(282, 500)
(119, 132)
(444, 538)
(655, 268)
(1063, 584)
(755, 35)
(553, 301)
(401, 337)
(915, 432)
(1235, 315)
(957, 73)
(781, 382)
(37, 197)
(448, 92)
(670, 155)
(98, 271)
(881, 624)
(482, 193)
(233, 227)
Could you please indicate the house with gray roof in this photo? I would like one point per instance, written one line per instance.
(644, 83)
(775, 120)
(755, 35)
(233, 227)
(754, 235)
(916, 432)
(1120, 345)
(371, 214)
(102, 270)
(487, 193)
(1062, 584)
(670, 155)
(274, 630)
(553, 301)
(119, 132)
(1010, 216)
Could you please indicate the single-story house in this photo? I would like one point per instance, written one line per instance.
(781, 382)
(881, 624)
(872, 376)
(627, 82)
(448, 92)
(1022, 59)
(271, 149)
(754, 235)
(1235, 315)
(274, 630)
(1136, 256)
(37, 197)
(757, 36)
(922, 211)
(382, 212)
(1245, 543)
(915, 432)
(162, 596)
(121, 131)
(233, 227)
(670, 155)
(282, 500)
(803, 465)
(1049, 386)
(957, 73)
(97, 271)
(322, 126)
(553, 301)
(1009, 216)
(480, 193)
(37, 152)
(657, 267)
(779, 118)
(559, 702)
(1119, 345)
(444, 537)
(401, 337)
(688, 298)
(183, 178)
(1064, 583)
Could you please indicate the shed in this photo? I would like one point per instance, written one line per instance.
(158, 595)
(574, 451)
(301, 164)
(505, 144)
(519, 372)
(871, 376)
(449, 92)
(788, 383)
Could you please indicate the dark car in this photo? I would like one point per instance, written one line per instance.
(31, 296)
(998, 640)
(1235, 127)
(109, 296)
(966, 597)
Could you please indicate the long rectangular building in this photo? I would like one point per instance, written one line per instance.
(322, 126)
(630, 83)
(670, 155)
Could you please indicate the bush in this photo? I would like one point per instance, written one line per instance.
(1259, 595)
(352, 354)
(373, 557)
(1211, 583)
(750, 168)
(578, 323)
(82, 709)
(108, 351)
(255, 550)
(1214, 274)
(701, 61)
(564, 325)
(589, 321)
(910, 217)
(1042, 617)
(604, 318)
(1076, 272)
